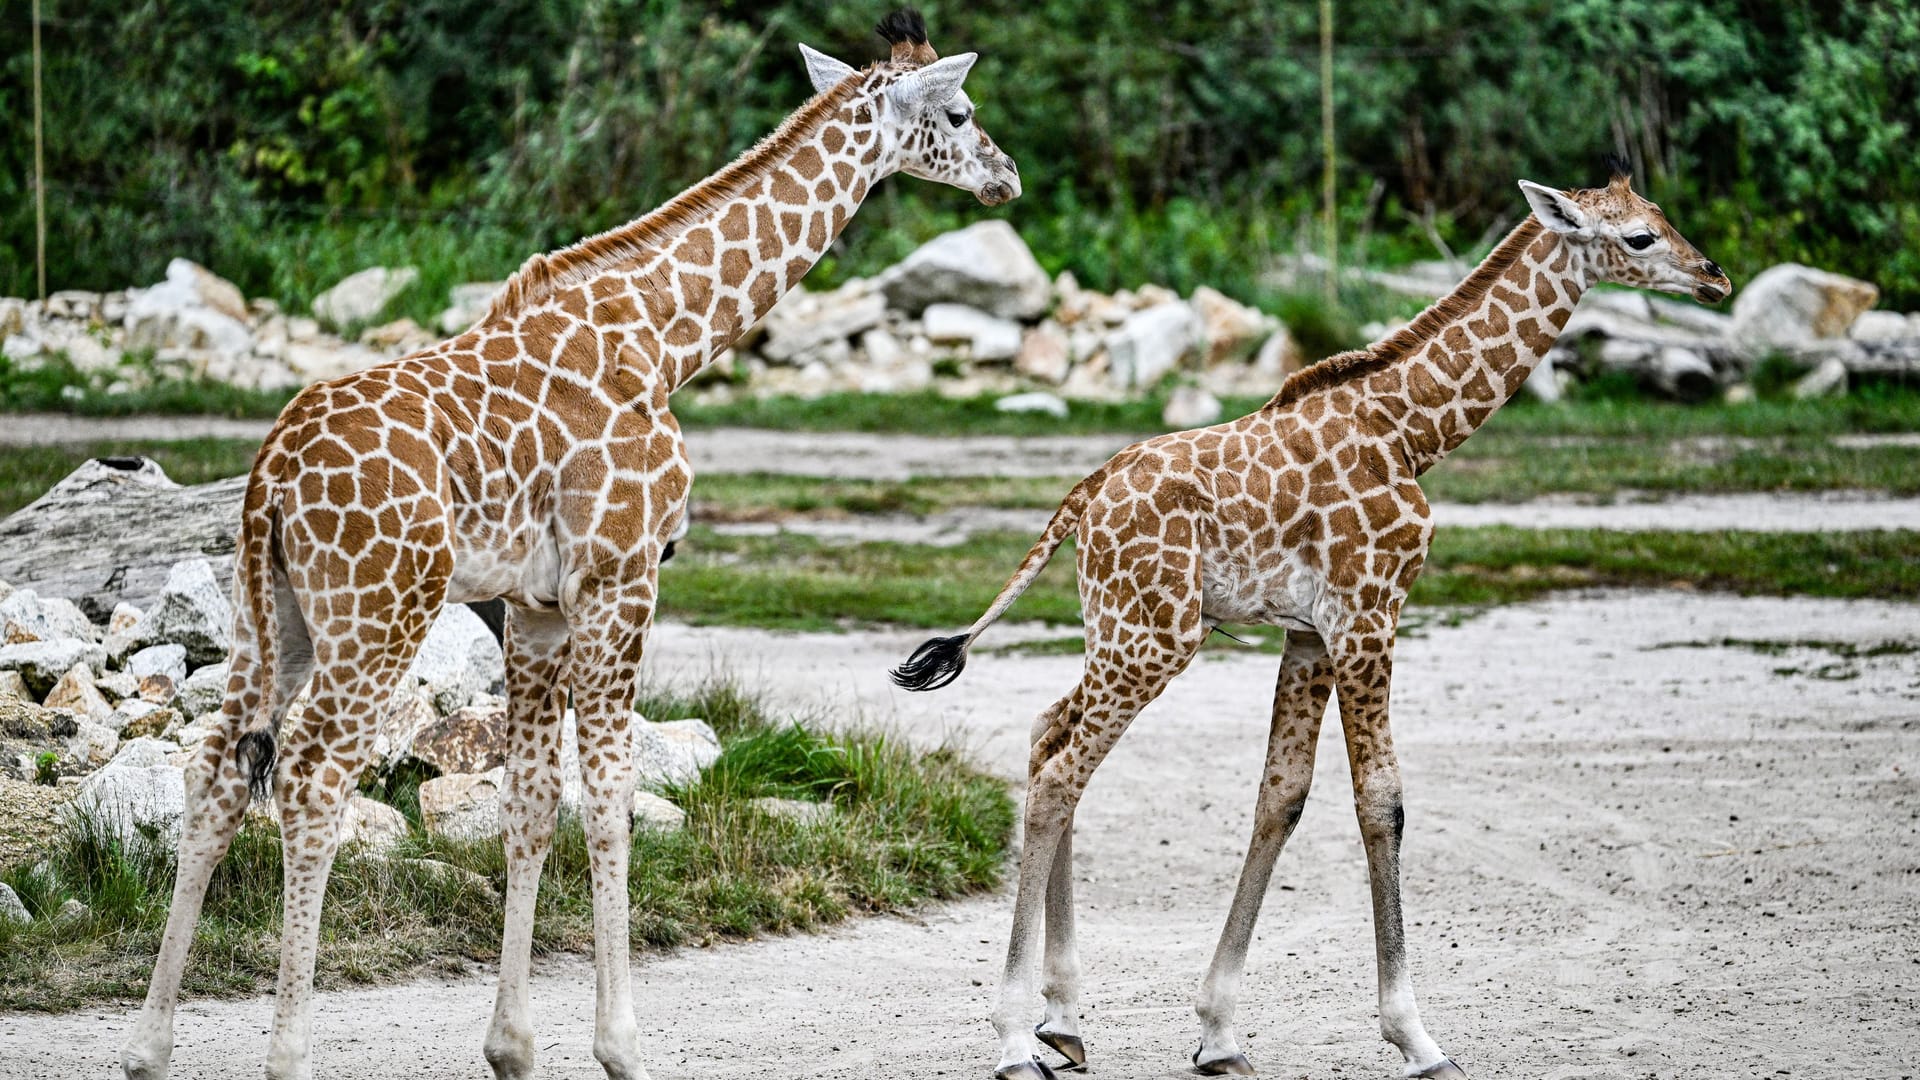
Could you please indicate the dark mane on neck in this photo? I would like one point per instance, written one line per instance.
(1424, 328)
(542, 276)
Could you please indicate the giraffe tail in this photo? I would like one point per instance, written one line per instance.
(256, 624)
(940, 660)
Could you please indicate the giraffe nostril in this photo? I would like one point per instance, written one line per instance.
(1714, 269)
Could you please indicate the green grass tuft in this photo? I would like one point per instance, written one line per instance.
(907, 826)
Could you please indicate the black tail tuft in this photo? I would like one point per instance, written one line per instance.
(255, 752)
(934, 664)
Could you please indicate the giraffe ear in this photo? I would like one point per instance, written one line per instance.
(934, 85)
(824, 71)
(1555, 210)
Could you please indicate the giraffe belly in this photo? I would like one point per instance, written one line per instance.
(528, 575)
(1283, 593)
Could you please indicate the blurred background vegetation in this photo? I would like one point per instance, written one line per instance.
(286, 145)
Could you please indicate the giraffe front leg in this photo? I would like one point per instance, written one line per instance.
(609, 634)
(1363, 673)
(536, 648)
(1299, 703)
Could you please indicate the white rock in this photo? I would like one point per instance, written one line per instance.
(129, 800)
(76, 693)
(1151, 343)
(990, 337)
(1790, 304)
(42, 663)
(359, 297)
(804, 323)
(144, 753)
(124, 618)
(673, 752)
(1190, 407)
(11, 909)
(463, 805)
(93, 744)
(203, 691)
(882, 348)
(372, 823)
(459, 660)
(1828, 379)
(1882, 326)
(1033, 401)
(1543, 382)
(43, 618)
(799, 811)
(1046, 354)
(466, 303)
(985, 265)
(127, 712)
(317, 361)
(13, 686)
(652, 810)
(1277, 358)
(169, 660)
(193, 611)
(192, 309)
(1229, 328)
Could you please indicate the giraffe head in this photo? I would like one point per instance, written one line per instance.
(1626, 239)
(926, 120)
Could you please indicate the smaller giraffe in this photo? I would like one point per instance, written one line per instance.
(1305, 515)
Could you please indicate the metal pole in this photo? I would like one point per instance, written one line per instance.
(1330, 224)
(39, 166)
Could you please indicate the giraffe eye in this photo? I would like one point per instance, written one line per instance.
(958, 118)
(1640, 241)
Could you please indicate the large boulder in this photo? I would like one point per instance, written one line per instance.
(459, 660)
(463, 805)
(76, 693)
(193, 611)
(1230, 328)
(673, 752)
(985, 265)
(193, 309)
(359, 297)
(466, 303)
(203, 691)
(804, 323)
(1046, 354)
(129, 800)
(1789, 306)
(988, 337)
(372, 823)
(169, 660)
(25, 615)
(472, 739)
(42, 663)
(1151, 343)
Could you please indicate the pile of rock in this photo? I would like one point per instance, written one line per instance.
(969, 312)
(197, 326)
(115, 712)
(1819, 323)
(972, 312)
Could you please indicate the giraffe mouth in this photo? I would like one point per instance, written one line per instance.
(994, 194)
(1709, 294)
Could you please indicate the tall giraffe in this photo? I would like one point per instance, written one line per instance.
(1306, 515)
(531, 458)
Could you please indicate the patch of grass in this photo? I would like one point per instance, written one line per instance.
(745, 497)
(928, 413)
(1501, 467)
(26, 472)
(791, 581)
(907, 826)
(55, 386)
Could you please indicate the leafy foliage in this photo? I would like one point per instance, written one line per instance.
(287, 144)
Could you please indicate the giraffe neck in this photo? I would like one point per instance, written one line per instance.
(673, 289)
(1462, 358)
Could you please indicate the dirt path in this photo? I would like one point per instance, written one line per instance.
(1621, 862)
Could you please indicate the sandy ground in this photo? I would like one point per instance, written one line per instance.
(1626, 857)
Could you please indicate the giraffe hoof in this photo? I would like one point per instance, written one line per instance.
(1025, 1070)
(1231, 1065)
(1444, 1069)
(1068, 1046)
